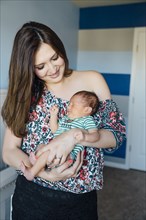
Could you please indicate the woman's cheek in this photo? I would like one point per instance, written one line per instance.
(36, 72)
(40, 73)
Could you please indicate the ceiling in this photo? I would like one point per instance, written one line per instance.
(93, 3)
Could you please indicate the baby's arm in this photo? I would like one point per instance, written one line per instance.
(54, 118)
(90, 135)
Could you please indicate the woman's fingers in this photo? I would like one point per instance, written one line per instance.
(56, 163)
(64, 167)
(42, 150)
(53, 157)
(59, 147)
(66, 170)
(59, 173)
(72, 170)
(63, 159)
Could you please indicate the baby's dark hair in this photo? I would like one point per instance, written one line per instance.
(90, 98)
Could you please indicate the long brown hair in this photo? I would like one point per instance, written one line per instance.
(23, 83)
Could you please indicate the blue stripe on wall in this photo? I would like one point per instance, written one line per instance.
(117, 16)
(119, 84)
(120, 152)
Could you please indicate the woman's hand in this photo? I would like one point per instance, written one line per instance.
(63, 171)
(60, 147)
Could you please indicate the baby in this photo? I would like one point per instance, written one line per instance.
(83, 105)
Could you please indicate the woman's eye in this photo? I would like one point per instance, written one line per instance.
(55, 57)
(40, 67)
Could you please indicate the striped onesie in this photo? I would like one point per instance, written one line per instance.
(65, 124)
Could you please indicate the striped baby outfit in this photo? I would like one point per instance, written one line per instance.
(65, 124)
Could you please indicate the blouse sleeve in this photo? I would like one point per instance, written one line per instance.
(112, 119)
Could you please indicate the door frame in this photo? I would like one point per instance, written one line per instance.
(131, 97)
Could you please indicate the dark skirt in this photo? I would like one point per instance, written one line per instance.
(34, 202)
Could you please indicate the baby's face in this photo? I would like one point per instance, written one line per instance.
(76, 107)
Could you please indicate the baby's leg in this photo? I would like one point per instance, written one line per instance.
(26, 172)
(75, 151)
(32, 158)
(30, 173)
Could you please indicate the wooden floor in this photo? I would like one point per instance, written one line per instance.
(123, 196)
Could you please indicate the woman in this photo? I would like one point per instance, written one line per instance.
(39, 77)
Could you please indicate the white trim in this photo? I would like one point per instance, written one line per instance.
(130, 110)
(116, 165)
(132, 93)
(115, 162)
(11, 207)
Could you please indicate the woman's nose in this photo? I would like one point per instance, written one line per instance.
(51, 68)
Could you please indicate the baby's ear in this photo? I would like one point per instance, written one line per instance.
(88, 110)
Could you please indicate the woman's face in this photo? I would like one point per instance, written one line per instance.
(49, 66)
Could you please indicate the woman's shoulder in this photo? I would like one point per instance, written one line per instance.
(88, 76)
(93, 81)
(86, 73)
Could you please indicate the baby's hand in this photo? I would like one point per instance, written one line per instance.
(54, 110)
(79, 136)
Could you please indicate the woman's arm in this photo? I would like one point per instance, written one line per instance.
(12, 154)
(92, 135)
(106, 140)
(112, 127)
(62, 145)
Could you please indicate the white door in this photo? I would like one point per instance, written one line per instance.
(137, 108)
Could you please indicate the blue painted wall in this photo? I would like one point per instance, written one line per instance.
(109, 30)
(117, 16)
(119, 84)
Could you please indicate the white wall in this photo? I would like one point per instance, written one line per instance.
(107, 51)
(62, 16)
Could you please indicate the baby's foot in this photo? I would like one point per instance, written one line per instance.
(22, 167)
(32, 158)
(26, 172)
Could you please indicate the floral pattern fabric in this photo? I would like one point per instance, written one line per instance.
(90, 176)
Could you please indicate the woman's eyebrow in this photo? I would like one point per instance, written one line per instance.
(36, 65)
(54, 55)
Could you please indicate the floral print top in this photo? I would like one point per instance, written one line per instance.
(90, 176)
